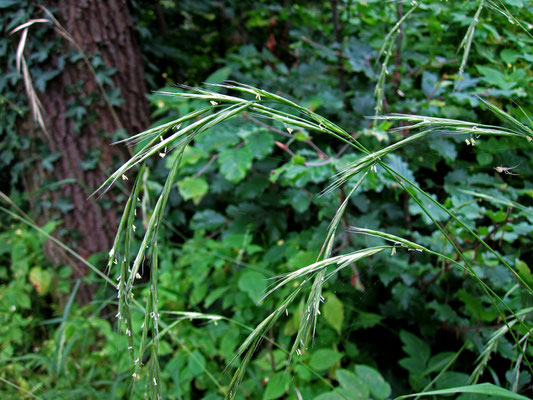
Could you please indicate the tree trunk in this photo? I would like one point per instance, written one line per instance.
(104, 28)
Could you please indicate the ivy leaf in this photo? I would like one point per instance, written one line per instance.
(235, 163)
(334, 311)
(192, 188)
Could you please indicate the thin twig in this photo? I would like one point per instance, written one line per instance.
(206, 166)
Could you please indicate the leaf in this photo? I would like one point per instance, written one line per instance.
(334, 311)
(235, 163)
(40, 279)
(193, 188)
(366, 320)
(254, 284)
(330, 396)
(8, 3)
(324, 358)
(196, 364)
(354, 384)
(450, 379)
(207, 219)
(298, 199)
(430, 85)
(509, 56)
(217, 77)
(482, 388)
(475, 306)
(260, 144)
(379, 387)
(524, 271)
(418, 352)
(277, 385)
(496, 78)
(443, 147)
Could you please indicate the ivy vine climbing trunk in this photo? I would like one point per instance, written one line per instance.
(98, 52)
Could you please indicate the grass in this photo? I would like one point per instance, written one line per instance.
(263, 104)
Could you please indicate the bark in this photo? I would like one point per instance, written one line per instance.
(99, 27)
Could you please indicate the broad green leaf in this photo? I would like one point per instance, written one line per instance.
(379, 387)
(353, 384)
(322, 359)
(218, 77)
(333, 311)
(277, 385)
(192, 188)
(254, 284)
(450, 379)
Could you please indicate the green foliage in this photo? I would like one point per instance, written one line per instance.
(435, 279)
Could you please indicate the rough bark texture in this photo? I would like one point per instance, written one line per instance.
(99, 27)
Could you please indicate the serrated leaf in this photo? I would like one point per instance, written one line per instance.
(333, 311)
(260, 144)
(297, 199)
(443, 147)
(235, 163)
(193, 188)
